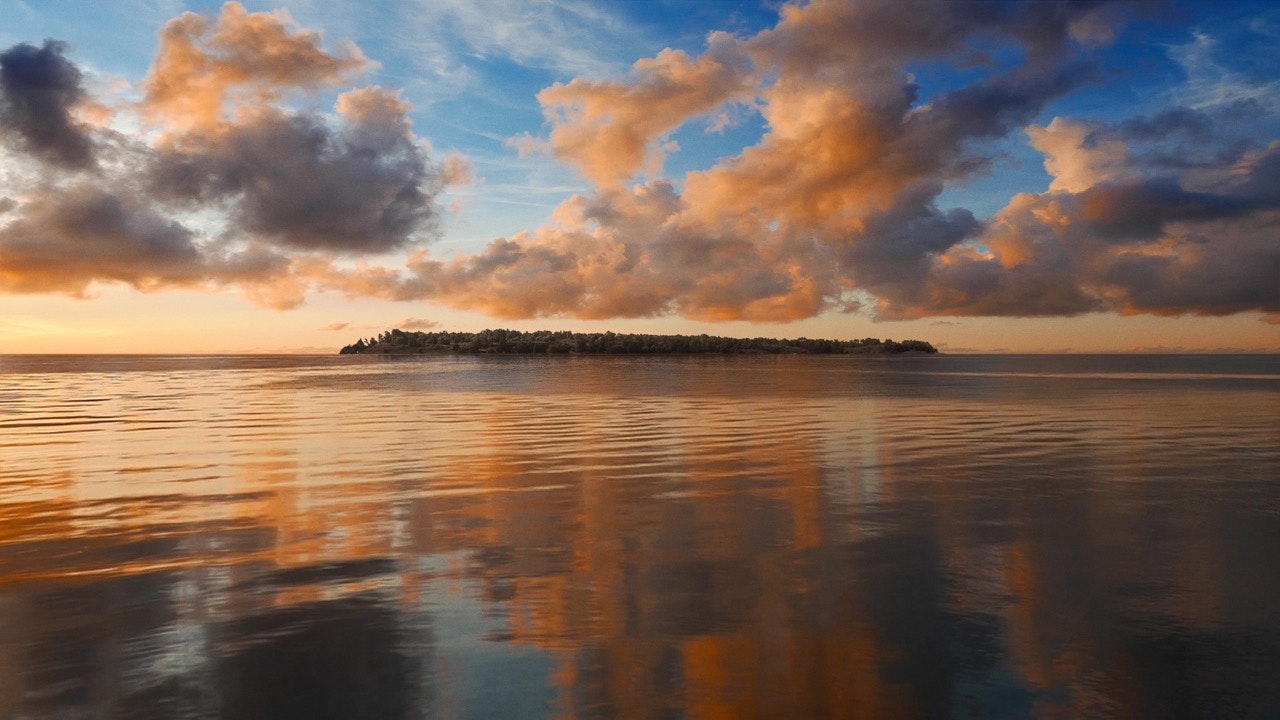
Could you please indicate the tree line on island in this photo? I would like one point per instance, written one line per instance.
(400, 342)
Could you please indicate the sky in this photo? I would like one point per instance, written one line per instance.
(204, 177)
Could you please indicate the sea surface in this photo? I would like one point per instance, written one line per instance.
(639, 537)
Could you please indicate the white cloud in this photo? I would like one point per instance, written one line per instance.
(1211, 83)
(1076, 164)
(565, 36)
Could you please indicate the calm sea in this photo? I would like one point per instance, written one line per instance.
(677, 537)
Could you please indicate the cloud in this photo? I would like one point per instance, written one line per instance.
(336, 326)
(62, 242)
(836, 207)
(839, 196)
(835, 199)
(1145, 245)
(206, 66)
(67, 240)
(1075, 160)
(566, 36)
(295, 181)
(413, 323)
(1209, 82)
(237, 189)
(1194, 124)
(39, 89)
(609, 130)
(838, 199)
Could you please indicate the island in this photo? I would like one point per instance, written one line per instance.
(400, 342)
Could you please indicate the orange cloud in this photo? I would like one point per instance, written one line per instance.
(241, 192)
(838, 197)
(609, 130)
(1075, 163)
(779, 232)
(835, 204)
(206, 65)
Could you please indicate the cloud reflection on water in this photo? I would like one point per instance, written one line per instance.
(464, 538)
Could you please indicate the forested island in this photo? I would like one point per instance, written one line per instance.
(400, 342)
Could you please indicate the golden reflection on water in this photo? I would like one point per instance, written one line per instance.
(713, 538)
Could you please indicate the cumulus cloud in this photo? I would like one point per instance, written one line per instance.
(610, 130)
(838, 200)
(1074, 159)
(836, 207)
(293, 180)
(237, 189)
(207, 66)
(39, 90)
(1145, 245)
(63, 242)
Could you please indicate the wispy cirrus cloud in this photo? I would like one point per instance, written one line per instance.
(1210, 82)
(567, 37)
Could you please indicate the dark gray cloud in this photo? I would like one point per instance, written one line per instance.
(1045, 29)
(38, 88)
(1180, 138)
(940, 140)
(1194, 124)
(996, 107)
(1263, 182)
(886, 29)
(67, 239)
(1146, 245)
(972, 285)
(257, 200)
(896, 247)
(294, 181)
(1235, 268)
(63, 241)
(1141, 211)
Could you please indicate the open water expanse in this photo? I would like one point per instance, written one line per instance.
(635, 537)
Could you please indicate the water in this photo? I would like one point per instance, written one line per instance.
(570, 537)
